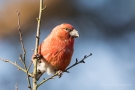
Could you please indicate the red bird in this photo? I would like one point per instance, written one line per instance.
(56, 50)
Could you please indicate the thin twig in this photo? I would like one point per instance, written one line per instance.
(45, 80)
(81, 61)
(15, 64)
(57, 74)
(19, 29)
(29, 66)
(24, 51)
(28, 78)
(37, 44)
(16, 86)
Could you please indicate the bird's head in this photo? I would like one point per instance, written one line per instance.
(65, 31)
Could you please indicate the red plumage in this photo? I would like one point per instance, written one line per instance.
(57, 49)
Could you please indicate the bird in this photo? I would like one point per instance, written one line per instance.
(56, 50)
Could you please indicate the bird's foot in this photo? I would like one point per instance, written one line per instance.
(59, 73)
(37, 56)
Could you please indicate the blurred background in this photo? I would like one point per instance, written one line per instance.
(106, 28)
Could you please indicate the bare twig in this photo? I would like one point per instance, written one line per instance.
(45, 80)
(28, 78)
(29, 66)
(56, 74)
(19, 29)
(24, 51)
(16, 86)
(37, 44)
(81, 61)
(15, 64)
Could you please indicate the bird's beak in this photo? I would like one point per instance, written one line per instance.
(74, 33)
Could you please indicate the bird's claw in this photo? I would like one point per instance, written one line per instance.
(59, 73)
(37, 56)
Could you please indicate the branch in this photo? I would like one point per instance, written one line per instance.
(45, 80)
(28, 77)
(16, 86)
(57, 74)
(19, 29)
(24, 51)
(81, 61)
(37, 44)
(29, 66)
(15, 64)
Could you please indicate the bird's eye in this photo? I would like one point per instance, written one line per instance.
(68, 29)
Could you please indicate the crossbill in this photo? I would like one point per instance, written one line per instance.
(56, 50)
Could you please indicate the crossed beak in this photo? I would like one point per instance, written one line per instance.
(74, 33)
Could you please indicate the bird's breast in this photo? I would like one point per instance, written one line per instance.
(59, 56)
(57, 53)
